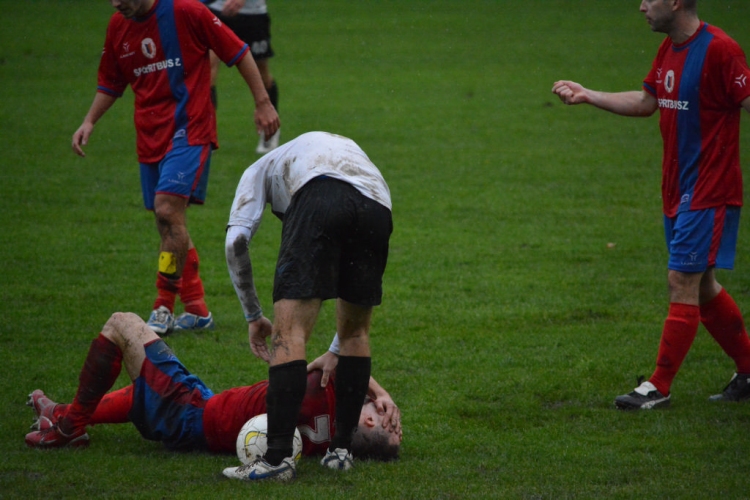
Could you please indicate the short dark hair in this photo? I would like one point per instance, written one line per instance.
(374, 445)
(690, 4)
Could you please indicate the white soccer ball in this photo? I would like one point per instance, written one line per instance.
(252, 441)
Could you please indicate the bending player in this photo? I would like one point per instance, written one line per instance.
(167, 403)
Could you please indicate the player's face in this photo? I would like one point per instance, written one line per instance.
(659, 14)
(369, 412)
(132, 8)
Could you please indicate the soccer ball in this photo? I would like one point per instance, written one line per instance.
(252, 440)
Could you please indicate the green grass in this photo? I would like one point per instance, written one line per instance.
(508, 323)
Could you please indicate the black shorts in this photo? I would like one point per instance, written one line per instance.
(254, 30)
(334, 243)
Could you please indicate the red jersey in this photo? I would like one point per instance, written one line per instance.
(164, 57)
(226, 413)
(699, 86)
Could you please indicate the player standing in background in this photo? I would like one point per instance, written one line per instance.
(699, 82)
(336, 224)
(169, 404)
(250, 21)
(161, 49)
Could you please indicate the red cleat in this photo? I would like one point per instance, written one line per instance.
(53, 437)
(44, 408)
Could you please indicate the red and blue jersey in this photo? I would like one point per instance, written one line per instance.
(226, 413)
(164, 57)
(699, 86)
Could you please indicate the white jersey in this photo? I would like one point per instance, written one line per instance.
(275, 177)
(251, 7)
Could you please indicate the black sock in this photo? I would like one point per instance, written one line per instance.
(286, 389)
(352, 380)
(273, 94)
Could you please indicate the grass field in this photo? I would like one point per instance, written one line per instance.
(526, 285)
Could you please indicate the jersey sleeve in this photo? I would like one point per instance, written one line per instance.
(110, 79)
(217, 36)
(650, 82)
(738, 77)
(249, 199)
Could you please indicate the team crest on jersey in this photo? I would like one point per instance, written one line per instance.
(148, 47)
(669, 81)
(217, 21)
(741, 81)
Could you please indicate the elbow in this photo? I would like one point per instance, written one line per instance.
(236, 244)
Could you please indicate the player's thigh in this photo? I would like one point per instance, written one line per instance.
(364, 254)
(184, 171)
(254, 30)
(168, 400)
(311, 240)
(701, 239)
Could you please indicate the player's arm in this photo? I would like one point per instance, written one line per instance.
(102, 102)
(632, 103)
(266, 117)
(379, 396)
(232, 7)
(746, 104)
(237, 250)
(384, 405)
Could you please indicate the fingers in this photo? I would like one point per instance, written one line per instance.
(260, 351)
(79, 139)
(267, 121)
(568, 92)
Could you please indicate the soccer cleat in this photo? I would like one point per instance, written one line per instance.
(53, 437)
(738, 389)
(44, 408)
(269, 145)
(189, 321)
(161, 321)
(42, 424)
(339, 459)
(644, 397)
(260, 470)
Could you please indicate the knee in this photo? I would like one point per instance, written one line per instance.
(118, 323)
(169, 210)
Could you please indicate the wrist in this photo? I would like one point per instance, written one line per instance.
(254, 316)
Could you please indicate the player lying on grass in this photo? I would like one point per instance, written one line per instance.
(167, 403)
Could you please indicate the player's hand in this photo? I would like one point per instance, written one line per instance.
(570, 92)
(390, 412)
(232, 7)
(258, 331)
(266, 120)
(326, 362)
(81, 138)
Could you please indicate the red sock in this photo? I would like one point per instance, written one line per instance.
(166, 289)
(114, 407)
(723, 320)
(99, 373)
(680, 329)
(192, 287)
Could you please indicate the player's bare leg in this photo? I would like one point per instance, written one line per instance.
(170, 215)
(121, 339)
(352, 379)
(287, 374)
(130, 333)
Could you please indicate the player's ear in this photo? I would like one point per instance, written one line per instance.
(368, 422)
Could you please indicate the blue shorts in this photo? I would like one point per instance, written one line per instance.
(182, 172)
(168, 401)
(701, 239)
